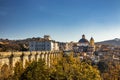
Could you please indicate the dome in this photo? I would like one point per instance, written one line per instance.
(83, 40)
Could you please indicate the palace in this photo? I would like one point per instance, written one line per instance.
(47, 44)
(44, 44)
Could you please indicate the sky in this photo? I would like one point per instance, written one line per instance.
(63, 20)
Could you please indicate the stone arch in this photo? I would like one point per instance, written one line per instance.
(29, 57)
(15, 60)
(18, 63)
(51, 57)
(42, 56)
(37, 57)
(4, 67)
(26, 63)
(25, 60)
(46, 58)
(5, 71)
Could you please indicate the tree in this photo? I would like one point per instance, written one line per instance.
(61, 68)
(5, 72)
(70, 68)
(102, 66)
(36, 71)
(18, 70)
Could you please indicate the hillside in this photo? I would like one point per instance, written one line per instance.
(16, 45)
(114, 42)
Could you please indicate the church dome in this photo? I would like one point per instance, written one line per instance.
(83, 40)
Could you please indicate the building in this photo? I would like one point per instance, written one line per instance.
(65, 46)
(83, 42)
(44, 44)
(84, 45)
(92, 45)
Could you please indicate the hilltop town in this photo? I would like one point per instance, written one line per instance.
(105, 57)
(83, 46)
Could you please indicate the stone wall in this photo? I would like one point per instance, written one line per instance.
(11, 58)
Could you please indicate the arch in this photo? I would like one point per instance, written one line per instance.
(5, 71)
(4, 67)
(37, 56)
(25, 59)
(17, 63)
(31, 57)
(42, 56)
(51, 57)
(15, 59)
(46, 58)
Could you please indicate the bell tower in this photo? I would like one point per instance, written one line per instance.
(92, 44)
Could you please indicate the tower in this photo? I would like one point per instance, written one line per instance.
(92, 44)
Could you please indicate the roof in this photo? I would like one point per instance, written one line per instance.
(83, 40)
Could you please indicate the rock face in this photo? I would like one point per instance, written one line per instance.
(114, 42)
(11, 58)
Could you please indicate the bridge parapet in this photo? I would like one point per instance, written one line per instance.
(5, 54)
(17, 54)
(26, 53)
(10, 58)
(33, 53)
(39, 52)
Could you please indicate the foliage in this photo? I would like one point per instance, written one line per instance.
(102, 66)
(36, 71)
(61, 68)
(112, 72)
(18, 70)
(5, 72)
(69, 68)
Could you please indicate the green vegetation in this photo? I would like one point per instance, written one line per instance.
(109, 70)
(36, 71)
(62, 68)
(69, 68)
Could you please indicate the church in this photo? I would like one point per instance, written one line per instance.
(84, 45)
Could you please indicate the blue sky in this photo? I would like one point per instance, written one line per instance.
(64, 20)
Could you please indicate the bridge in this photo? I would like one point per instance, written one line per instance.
(11, 58)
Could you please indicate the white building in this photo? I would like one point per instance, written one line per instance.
(44, 44)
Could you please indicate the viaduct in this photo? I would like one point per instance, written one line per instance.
(11, 58)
